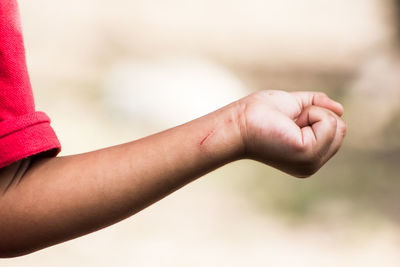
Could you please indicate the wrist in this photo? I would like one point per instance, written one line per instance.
(225, 137)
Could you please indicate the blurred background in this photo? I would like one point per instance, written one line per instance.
(109, 72)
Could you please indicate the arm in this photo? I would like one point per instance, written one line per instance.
(57, 199)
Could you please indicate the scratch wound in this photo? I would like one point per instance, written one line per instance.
(206, 137)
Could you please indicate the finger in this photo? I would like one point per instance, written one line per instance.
(318, 126)
(307, 99)
(338, 140)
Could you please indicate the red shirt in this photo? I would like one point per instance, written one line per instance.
(23, 131)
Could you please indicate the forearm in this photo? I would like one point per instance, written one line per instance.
(57, 199)
(61, 198)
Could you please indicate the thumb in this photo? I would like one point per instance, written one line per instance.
(307, 99)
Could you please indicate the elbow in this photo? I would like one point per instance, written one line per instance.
(14, 251)
(8, 254)
(14, 242)
(15, 239)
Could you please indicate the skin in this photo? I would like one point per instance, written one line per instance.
(45, 201)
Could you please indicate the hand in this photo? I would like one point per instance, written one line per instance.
(293, 132)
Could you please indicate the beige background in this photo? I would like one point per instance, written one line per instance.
(109, 72)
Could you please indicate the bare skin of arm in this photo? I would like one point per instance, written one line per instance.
(47, 201)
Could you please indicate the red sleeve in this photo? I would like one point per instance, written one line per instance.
(23, 131)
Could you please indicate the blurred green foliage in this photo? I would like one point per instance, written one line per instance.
(355, 182)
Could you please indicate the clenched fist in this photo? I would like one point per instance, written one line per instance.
(293, 132)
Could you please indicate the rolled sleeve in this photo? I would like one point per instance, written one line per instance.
(23, 131)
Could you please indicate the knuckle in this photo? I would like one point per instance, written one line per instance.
(319, 96)
(331, 119)
(269, 92)
(301, 147)
(342, 128)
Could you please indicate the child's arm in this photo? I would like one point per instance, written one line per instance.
(57, 199)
